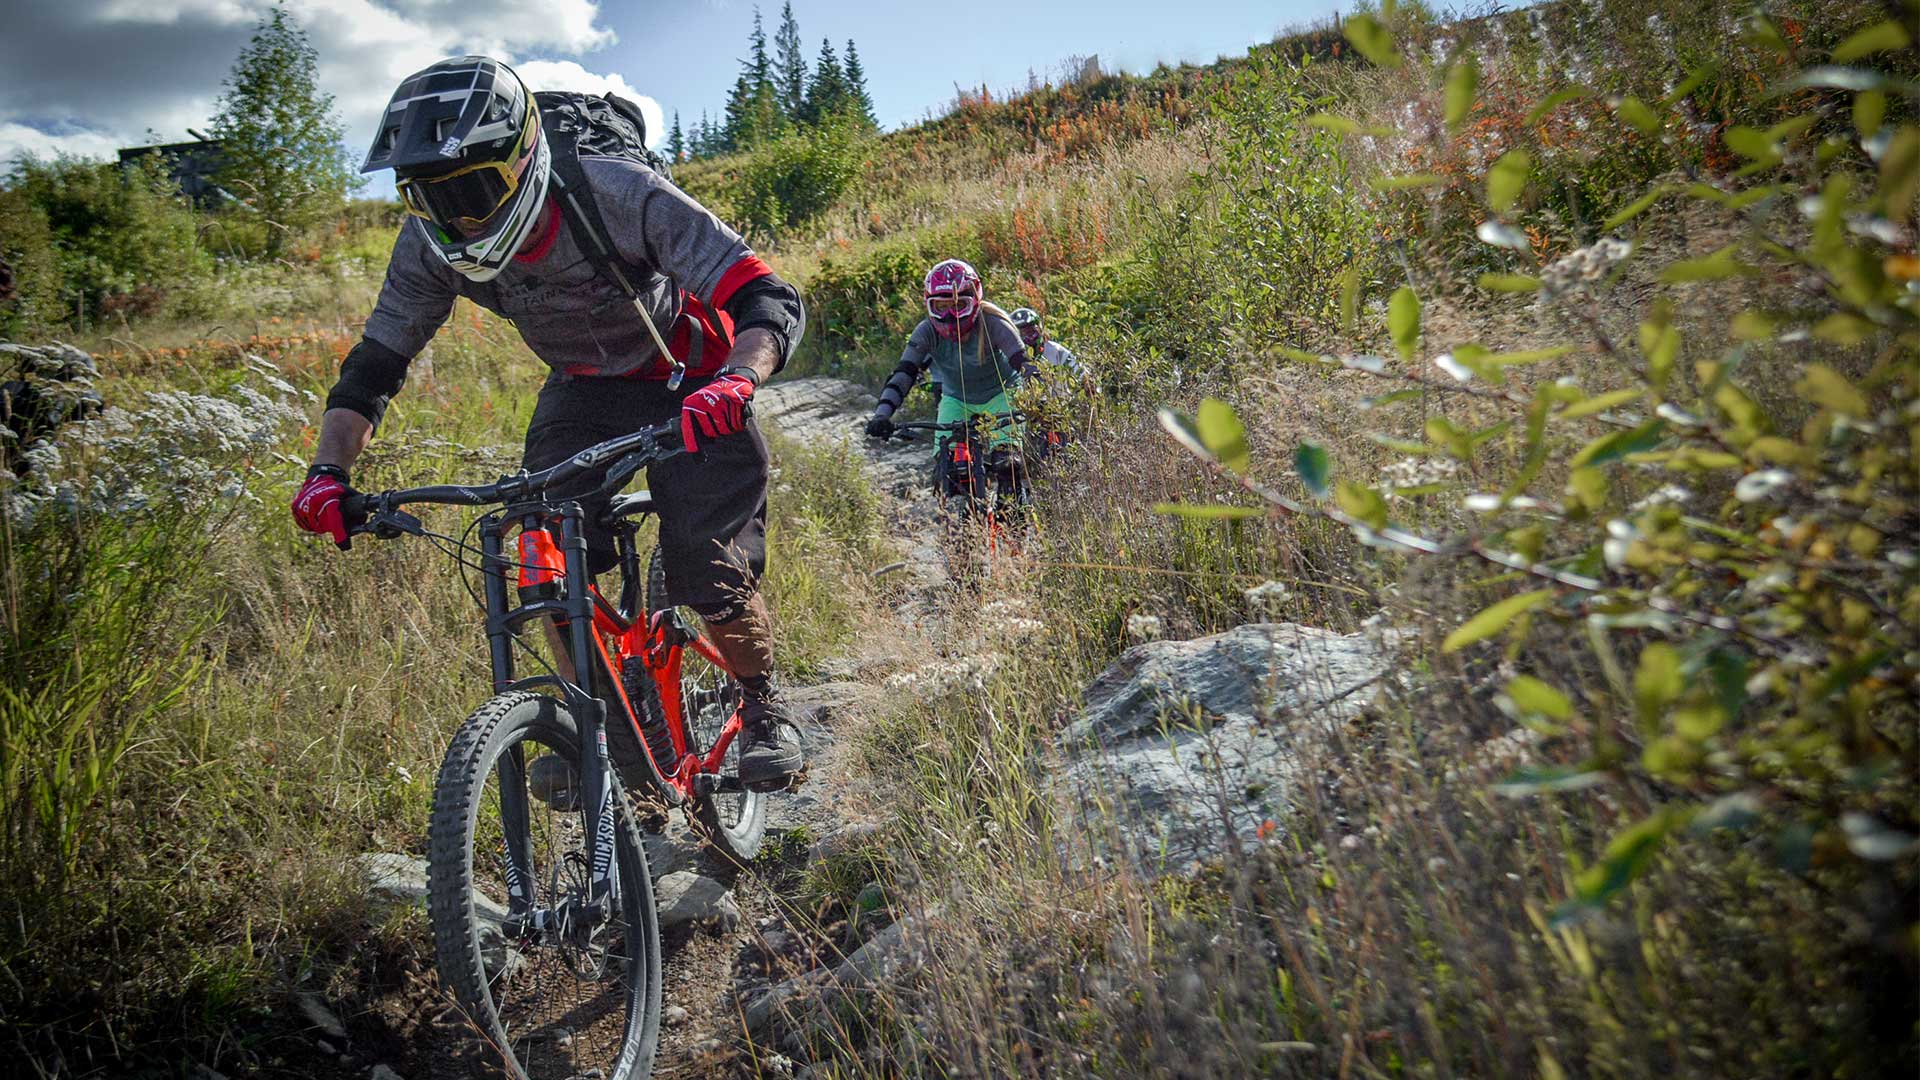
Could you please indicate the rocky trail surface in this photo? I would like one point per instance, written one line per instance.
(1175, 739)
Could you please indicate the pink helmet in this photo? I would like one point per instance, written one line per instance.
(953, 298)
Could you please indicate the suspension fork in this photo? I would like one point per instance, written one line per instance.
(590, 713)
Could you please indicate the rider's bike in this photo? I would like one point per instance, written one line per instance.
(542, 907)
(985, 488)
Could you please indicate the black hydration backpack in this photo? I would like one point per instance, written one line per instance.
(603, 126)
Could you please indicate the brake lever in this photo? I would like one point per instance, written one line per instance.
(622, 471)
(391, 524)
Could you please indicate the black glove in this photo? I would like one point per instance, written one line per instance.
(879, 426)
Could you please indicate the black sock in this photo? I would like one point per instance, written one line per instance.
(757, 687)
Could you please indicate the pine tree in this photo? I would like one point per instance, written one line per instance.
(753, 109)
(859, 100)
(789, 64)
(827, 91)
(737, 128)
(676, 142)
(759, 68)
(279, 133)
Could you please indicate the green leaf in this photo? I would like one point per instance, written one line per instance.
(1900, 172)
(1208, 511)
(1363, 503)
(1509, 283)
(1372, 39)
(1658, 681)
(1555, 100)
(1751, 143)
(1180, 426)
(1718, 266)
(1507, 179)
(1598, 403)
(1845, 328)
(1885, 36)
(1446, 435)
(1524, 356)
(1638, 206)
(1411, 180)
(1627, 857)
(1618, 444)
(1869, 112)
(1394, 398)
(1825, 386)
(1494, 619)
(1535, 696)
(1535, 779)
(1221, 432)
(1401, 446)
(1635, 112)
(1403, 319)
(1660, 344)
(1347, 126)
(1314, 465)
(1463, 81)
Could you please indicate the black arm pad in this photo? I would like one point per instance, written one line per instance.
(772, 305)
(897, 388)
(369, 375)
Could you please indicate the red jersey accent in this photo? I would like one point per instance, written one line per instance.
(549, 232)
(747, 269)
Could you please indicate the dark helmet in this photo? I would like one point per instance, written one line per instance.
(464, 141)
(1027, 321)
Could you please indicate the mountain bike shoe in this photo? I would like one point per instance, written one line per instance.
(552, 780)
(770, 751)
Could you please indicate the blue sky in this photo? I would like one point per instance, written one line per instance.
(686, 55)
(88, 76)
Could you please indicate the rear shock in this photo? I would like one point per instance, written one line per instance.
(638, 679)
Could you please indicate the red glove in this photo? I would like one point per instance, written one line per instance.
(317, 507)
(718, 408)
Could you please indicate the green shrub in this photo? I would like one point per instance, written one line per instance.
(31, 299)
(122, 235)
(799, 175)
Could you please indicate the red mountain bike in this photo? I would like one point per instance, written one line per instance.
(542, 907)
(984, 489)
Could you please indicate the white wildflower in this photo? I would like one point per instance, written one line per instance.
(1620, 537)
(1414, 472)
(1268, 597)
(1669, 494)
(1500, 234)
(1460, 372)
(1145, 627)
(1587, 265)
(1756, 486)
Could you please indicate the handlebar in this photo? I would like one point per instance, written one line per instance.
(620, 458)
(958, 427)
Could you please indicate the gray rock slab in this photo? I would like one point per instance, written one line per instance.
(684, 896)
(1185, 748)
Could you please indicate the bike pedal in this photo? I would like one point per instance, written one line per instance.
(786, 784)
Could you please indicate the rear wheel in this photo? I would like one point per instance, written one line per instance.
(734, 820)
(552, 1005)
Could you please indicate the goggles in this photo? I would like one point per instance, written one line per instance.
(1031, 334)
(956, 306)
(464, 200)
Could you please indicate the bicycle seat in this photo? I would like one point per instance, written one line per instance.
(632, 505)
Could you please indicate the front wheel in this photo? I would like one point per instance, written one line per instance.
(577, 997)
(735, 821)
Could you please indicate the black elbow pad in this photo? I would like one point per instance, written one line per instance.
(769, 303)
(369, 376)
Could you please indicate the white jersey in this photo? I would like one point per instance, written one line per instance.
(1060, 356)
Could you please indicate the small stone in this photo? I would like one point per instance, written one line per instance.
(383, 1072)
(316, 1013)
(684, 896)
(675, 1015)
(1350, 842)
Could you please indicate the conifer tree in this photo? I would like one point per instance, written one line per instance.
(676, 142)
(280, 135)
(859, 101)
(789, 65)
(827, 91)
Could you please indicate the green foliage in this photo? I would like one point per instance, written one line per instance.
(797, 176)
(1754, 547)
(93, 240)
(281, 138)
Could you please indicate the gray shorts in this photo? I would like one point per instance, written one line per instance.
(712, 505)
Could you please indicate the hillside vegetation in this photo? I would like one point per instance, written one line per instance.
(1571, 353)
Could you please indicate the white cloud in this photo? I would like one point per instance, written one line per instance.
(19, 139)
(89, 76)
(567, 75)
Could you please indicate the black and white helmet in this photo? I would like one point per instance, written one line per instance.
(1027, 321)
(464, 141)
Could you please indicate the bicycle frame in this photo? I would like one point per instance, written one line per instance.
(552, 582)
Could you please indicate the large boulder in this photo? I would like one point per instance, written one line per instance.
(1187, 749)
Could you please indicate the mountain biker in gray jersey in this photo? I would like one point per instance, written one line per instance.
(473, 166)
